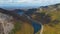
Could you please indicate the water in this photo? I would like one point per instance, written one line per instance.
(20, 12)
(36, 26)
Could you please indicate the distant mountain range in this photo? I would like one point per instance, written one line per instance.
(51, 7)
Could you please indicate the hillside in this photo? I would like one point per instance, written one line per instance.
(49, 16)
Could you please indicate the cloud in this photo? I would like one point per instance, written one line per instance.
(27, 2)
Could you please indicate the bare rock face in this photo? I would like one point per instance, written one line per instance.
(6, 23)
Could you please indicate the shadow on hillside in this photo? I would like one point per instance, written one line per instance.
(45, 19)
(40, 17)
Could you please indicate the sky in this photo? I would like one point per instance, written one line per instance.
(27, 3)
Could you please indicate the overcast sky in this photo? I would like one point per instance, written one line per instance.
(27, 3)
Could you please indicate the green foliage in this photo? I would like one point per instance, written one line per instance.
(17, 27)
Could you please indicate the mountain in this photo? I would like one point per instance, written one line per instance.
(49, 16)
(6, 22)
(36, 13)
(50, 7)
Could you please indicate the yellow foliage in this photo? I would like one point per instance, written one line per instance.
(26, 29)
(53, 18)
(51, 30)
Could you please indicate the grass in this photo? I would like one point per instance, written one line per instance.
(55, 29)
(28, 29)
(17, 27)
(51, 30)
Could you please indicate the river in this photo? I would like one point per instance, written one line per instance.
(36, 25)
